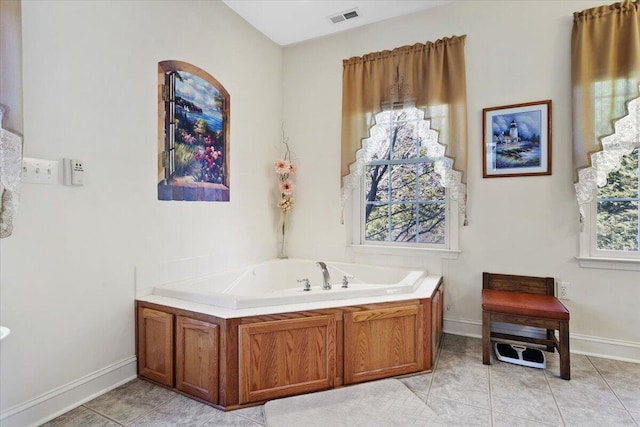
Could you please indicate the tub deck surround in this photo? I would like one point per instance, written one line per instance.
(278, 282)
(232, 358)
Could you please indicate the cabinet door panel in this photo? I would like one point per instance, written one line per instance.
(286, 357)
(197, 358)
(155, 345)
(384, 342)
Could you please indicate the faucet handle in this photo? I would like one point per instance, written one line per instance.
(345, 280)
(306, 284)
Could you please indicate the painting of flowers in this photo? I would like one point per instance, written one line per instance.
(199, 131)
(195, 141)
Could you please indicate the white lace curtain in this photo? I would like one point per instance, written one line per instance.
(606, 77)
(10, 169)
(376, 146)
(433, 76)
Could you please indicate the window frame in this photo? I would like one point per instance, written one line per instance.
(592, 257)
(589, 255)
(450, 247)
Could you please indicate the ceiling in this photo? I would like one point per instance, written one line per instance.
(292, 21)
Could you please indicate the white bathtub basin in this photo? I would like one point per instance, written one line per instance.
(276, 283)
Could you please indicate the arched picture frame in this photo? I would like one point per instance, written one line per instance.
(193, 134)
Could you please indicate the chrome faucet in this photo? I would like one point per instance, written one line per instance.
(326, 279)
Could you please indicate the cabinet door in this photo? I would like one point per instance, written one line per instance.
(155, 345)
(285, 357)
(197, 358)
(384, 342)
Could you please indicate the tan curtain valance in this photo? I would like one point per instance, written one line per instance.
(605, 46)
(432, 73)
(605, 71)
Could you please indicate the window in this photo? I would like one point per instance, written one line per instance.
(401, 200)
(612, 225)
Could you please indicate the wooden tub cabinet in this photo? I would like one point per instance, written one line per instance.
(236, 362)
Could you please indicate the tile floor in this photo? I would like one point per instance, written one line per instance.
(461, 390)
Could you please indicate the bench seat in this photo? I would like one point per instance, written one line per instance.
(532, 305)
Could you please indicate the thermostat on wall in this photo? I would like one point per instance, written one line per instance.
(73, 172)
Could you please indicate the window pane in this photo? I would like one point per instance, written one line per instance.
(377, 222)
(376, 183)
(624, 182)
(618, 226)
(429, 183)
(404, 136)
(403, 182)
(403, 222)
(431, 223)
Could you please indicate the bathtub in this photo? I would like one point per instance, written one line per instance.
(275, 282)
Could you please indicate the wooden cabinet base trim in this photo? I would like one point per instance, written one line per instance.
(235, 363)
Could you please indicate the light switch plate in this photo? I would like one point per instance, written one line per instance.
(39, 171)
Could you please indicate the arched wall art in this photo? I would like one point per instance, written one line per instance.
(193, 134)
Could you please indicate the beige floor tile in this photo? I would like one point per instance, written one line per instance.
(590, 389)
(586, 414)
(130, 400)
(469, 390)
(255, 413)
(459, 344)
(229, 419)
(510, 376)
(526, 403)
(628, 394)
(451, 413)
(179, 411)
(80, 417)
(462, 365)
(505, 420)
(418, 384)
(617, 371)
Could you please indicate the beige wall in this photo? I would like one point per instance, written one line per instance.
(78, 256)
(515, 52)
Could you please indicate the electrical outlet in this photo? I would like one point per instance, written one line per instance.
(564, 290)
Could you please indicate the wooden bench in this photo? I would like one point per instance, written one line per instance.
(527, 301)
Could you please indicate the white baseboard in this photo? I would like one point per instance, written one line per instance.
(628, 351)
(56, 402)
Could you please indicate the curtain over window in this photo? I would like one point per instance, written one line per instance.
(605, 65)
(431, 75)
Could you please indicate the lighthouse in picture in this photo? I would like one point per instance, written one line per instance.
(513, 131)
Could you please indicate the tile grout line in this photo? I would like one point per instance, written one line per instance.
(612, 390)
(103, 415)
(491, 419)
(152, 410)
(251, 419)
(555, 400)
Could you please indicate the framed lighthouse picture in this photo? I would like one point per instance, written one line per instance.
(517, 140)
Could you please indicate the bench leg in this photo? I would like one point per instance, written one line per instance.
(550, 336)
(565, 362)
(486, 337)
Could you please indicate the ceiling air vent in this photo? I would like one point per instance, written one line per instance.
(349, 14)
